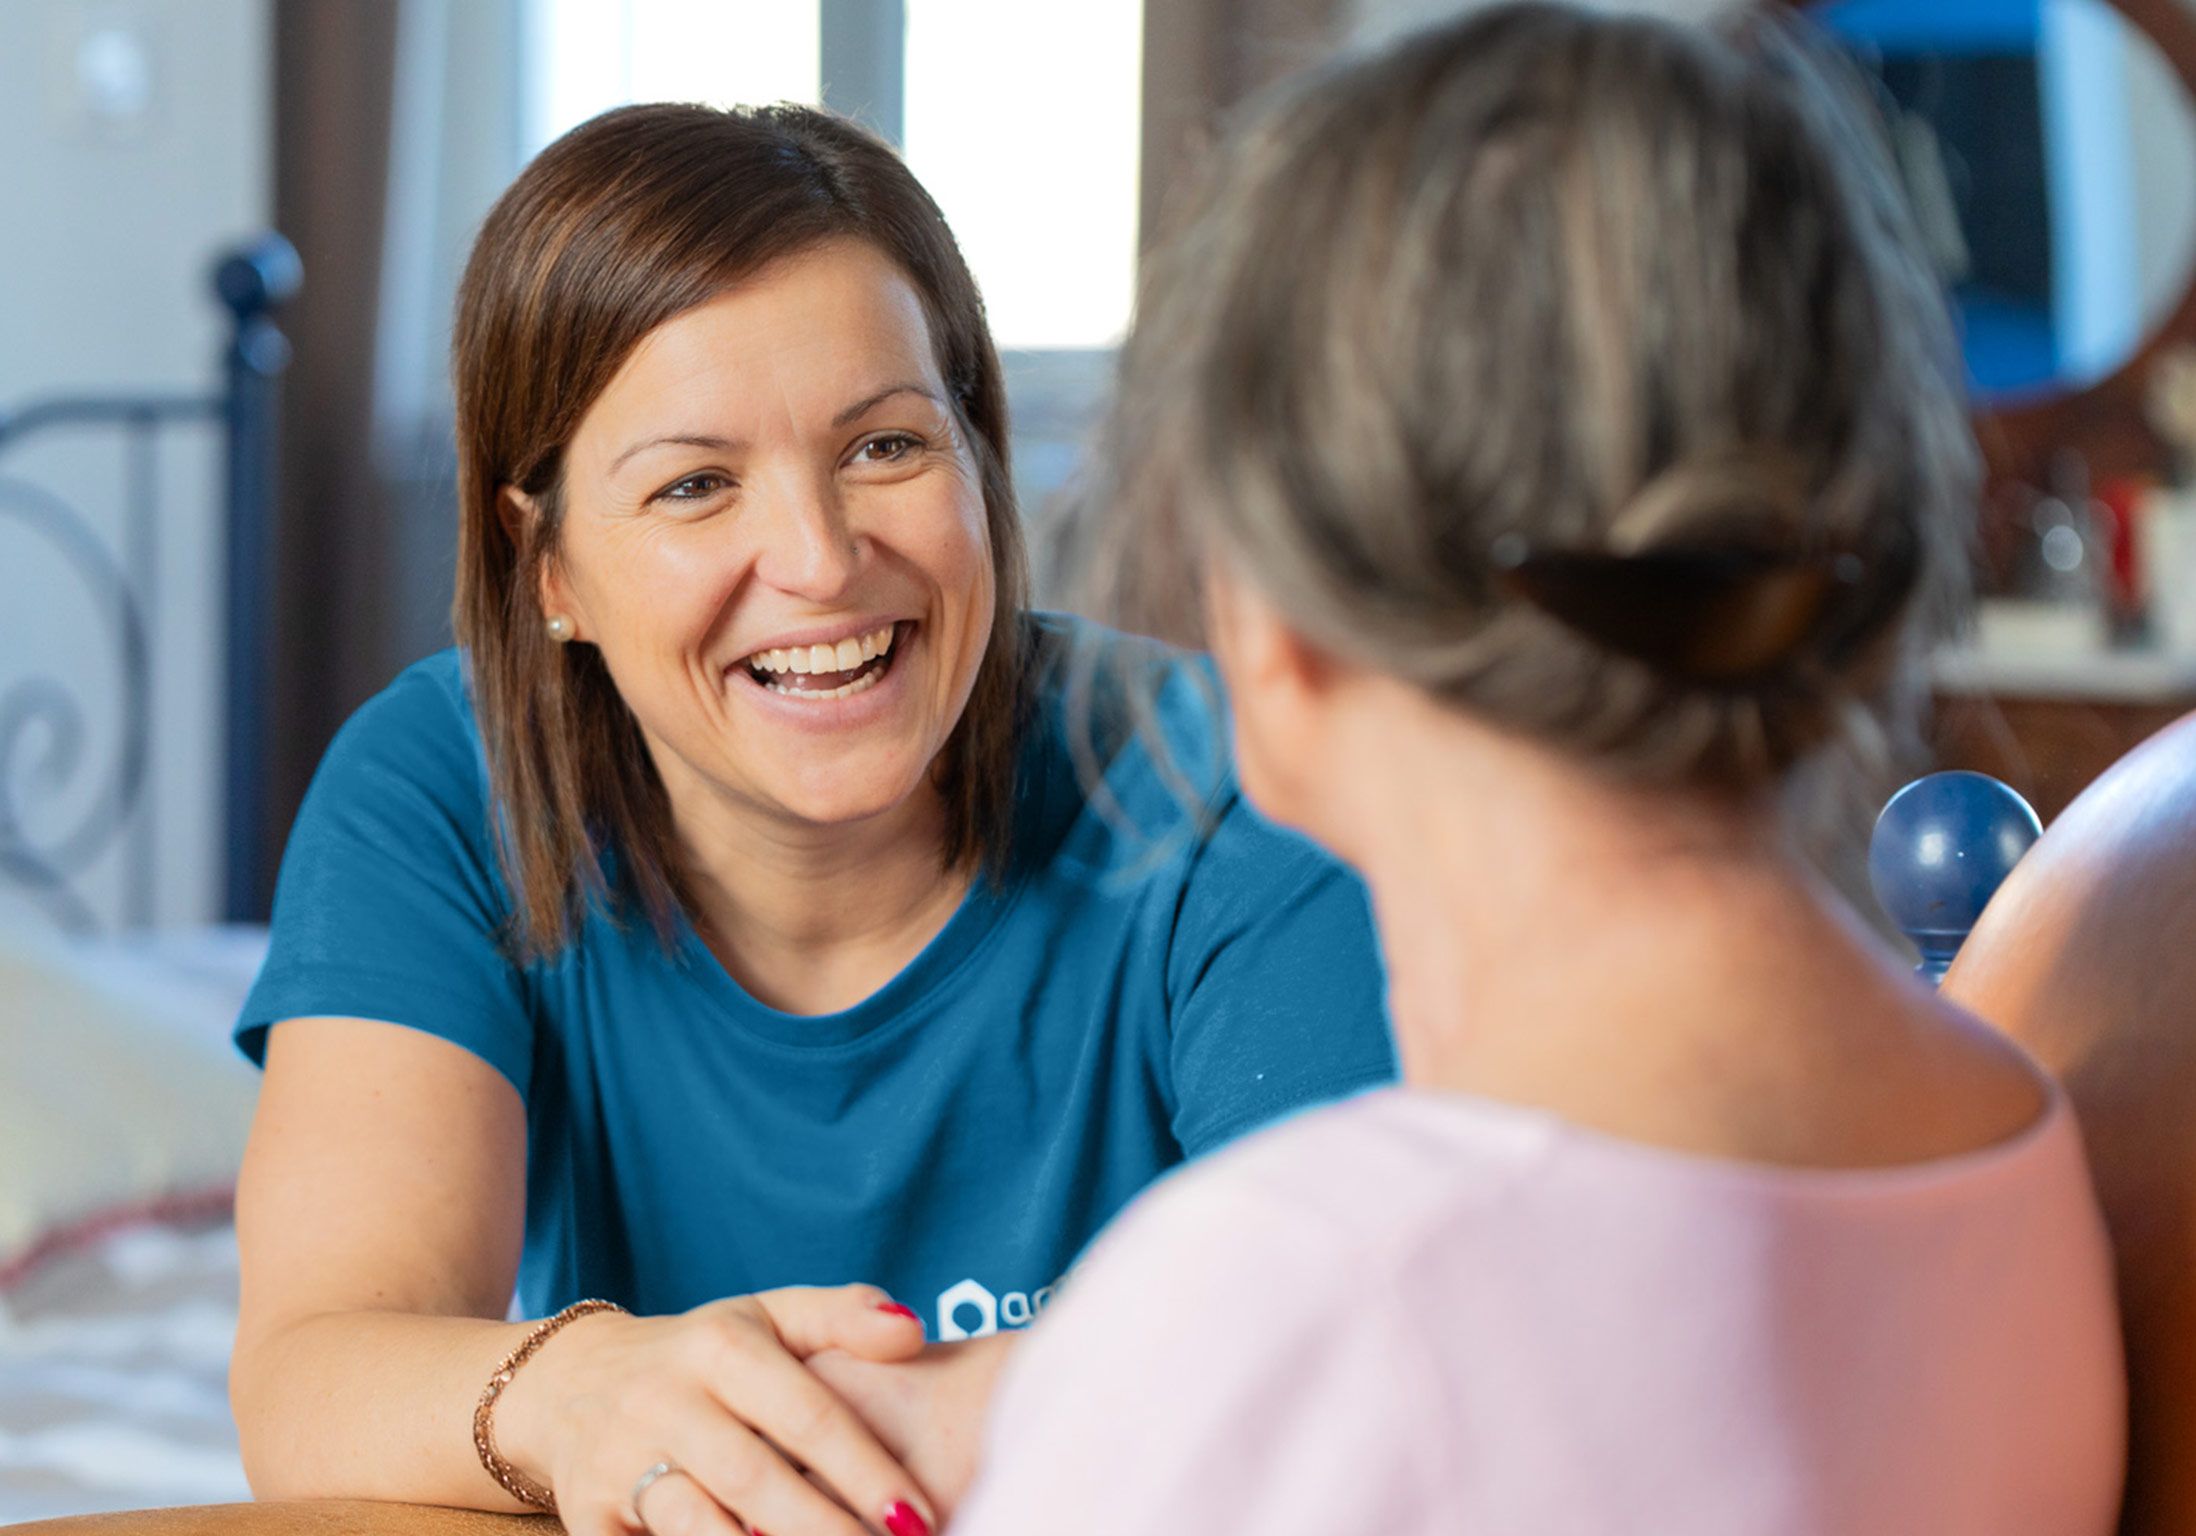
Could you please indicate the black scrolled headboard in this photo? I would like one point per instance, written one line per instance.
(40, 713)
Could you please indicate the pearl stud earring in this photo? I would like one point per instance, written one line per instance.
(560, 628)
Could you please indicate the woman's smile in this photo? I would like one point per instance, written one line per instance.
(824, 669)
(821, 680)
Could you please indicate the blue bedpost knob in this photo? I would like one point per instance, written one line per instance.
(1941, 849)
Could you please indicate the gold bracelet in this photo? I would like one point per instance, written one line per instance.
(514, 1482)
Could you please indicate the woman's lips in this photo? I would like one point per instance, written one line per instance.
(827, 671)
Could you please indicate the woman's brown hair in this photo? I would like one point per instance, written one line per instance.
(628, 220)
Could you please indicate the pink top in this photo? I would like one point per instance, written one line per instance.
(1415, 1312)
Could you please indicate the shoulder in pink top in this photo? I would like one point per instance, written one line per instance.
(1414, 1312)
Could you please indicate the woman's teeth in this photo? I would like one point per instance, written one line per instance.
(834, 671)
(860, 684)
(843, 657)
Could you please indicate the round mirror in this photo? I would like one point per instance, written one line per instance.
(2049, 151)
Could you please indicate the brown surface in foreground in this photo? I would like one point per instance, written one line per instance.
(305, 1517)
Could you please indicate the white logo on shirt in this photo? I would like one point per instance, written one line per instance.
(1016, 1309)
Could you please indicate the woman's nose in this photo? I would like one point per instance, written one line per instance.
(811, 549)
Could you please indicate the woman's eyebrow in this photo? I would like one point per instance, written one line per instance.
(678, 440)
(726, 445)
(861, 407)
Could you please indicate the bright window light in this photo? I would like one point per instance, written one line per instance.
(591, 55)
(1022, 120)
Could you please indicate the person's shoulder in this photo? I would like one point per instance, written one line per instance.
(1136, 777)
(424, 716)
(1366, 1175)
(1237, 1262)
(1235, 1230)
(1306, 1241)
(431, 696)
(412, 744)
(1146, 717)
(1134, 734)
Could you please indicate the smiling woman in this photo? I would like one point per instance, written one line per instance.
(819, 489)
(682, 403)
(741, 909)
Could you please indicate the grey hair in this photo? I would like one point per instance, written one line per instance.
(1493, 355)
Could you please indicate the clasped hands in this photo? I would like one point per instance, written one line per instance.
(798, 1412)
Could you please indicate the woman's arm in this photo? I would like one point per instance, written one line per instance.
(380, 1215)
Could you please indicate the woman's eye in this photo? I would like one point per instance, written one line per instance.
(889, 449)
(694, 488)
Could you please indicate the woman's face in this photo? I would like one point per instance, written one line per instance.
(774, 532)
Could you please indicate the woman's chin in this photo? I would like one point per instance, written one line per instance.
(858, 794)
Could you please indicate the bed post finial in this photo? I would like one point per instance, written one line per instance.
(252, 281)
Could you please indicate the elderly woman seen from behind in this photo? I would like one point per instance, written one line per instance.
(1570, 444)
(723, 931)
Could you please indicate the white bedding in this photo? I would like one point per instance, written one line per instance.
(114, 1364)
(114, 1355)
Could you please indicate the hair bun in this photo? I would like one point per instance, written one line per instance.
(1707, 574)
(1721, 616)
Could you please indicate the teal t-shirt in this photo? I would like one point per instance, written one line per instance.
(1116, 1004)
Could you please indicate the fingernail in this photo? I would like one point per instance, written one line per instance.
(901, 1520)
(898, 1311)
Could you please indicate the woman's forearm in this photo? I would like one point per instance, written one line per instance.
(379, 1405)
(373, 1405)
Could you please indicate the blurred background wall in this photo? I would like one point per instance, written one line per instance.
(139, 142)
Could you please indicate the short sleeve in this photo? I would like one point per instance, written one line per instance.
(388, 906)
(1276, 993)
(1213, 1367)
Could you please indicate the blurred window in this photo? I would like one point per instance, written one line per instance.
(588, 56)
(1022, 121)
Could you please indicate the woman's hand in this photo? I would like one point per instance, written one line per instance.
(724, 1395)
(928, 1411)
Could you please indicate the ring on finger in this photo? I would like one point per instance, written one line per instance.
(646, 1481)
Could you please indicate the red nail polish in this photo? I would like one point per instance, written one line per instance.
(901, 1520)
(898, 1311)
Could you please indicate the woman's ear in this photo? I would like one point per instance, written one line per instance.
(1258, 649)
(1281, 687)
(519, 512)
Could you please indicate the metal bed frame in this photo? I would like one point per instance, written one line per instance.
(47, 863)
